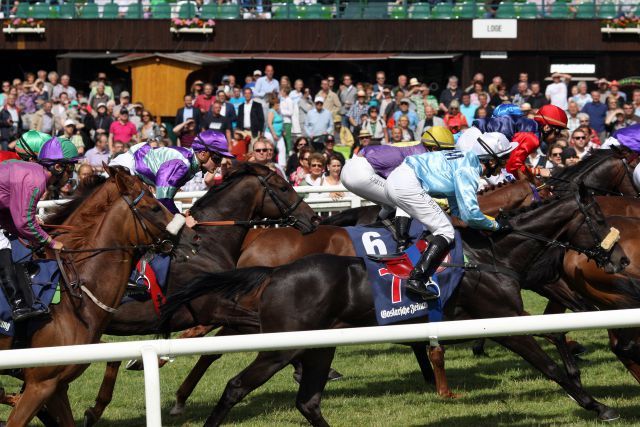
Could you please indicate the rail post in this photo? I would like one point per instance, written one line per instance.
(152, 386)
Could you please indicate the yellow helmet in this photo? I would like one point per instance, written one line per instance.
(438, 136)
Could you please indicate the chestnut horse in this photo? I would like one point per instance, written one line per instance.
(341, 295)
(106, 234)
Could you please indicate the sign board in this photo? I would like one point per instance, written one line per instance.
(495, 28)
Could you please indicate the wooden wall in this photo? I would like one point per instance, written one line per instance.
(320, 36)
(160, 84)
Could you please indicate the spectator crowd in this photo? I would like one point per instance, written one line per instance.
(283, 123)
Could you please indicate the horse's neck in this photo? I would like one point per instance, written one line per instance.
(509, 197)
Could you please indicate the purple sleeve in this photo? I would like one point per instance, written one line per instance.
(385, 158)
(171, 175)
(27, 188)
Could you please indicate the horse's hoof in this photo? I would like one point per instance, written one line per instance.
(89, 418)
(334, 375)
(134, 365)
(450, 395)
(479, 352)
(576, 348)
(297, 376)
(178, 409)
(608, 414)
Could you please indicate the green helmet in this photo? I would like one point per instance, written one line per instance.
(30, 143)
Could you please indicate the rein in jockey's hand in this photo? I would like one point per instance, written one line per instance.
(189, 220)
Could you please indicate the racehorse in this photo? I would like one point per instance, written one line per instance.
(118, 220)
(337, 294)
(249, 193)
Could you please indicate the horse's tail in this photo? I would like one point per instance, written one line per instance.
(228, 285)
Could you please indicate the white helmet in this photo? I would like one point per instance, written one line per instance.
(487, 144)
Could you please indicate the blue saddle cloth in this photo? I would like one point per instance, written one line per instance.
(392, 303)
(44, 283)
(160, 265)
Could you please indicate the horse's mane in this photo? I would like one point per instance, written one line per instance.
(60, 214)
(573, 173)
(514, 213)
(236, 173)
(492, 187)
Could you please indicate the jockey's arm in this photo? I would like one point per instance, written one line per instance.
(466, 186)
(527, 143)
(23, 208)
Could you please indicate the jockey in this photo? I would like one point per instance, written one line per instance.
(22, 184)
(365, 174)
(169, 168)
(451, 174)
(629, 140)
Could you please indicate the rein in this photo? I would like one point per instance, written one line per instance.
(289, 221)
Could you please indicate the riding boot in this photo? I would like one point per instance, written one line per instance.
(16, 291)
(402, 225)
(420, 278)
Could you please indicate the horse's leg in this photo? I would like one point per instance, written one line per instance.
(436, 356)
(568, 359)
(8, 399)
(316, 364)
(33, 397)
(632, 366)
(529, 350)
(189, 383)
(420, 352)
(105, 394)
(478, 348)
(265, 365)
(556, 307)
(59, 408)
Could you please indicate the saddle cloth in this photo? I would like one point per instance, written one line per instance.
(392, 303)
(151, 275)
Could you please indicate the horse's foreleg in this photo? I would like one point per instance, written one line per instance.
(59, 408)
(529, 350)
(316, 364)
(420, 352)
(189, 383)
(34, 396)
(436, 356)
(623, 354)
(93, 414)
(257, 373)
(568, 359)
(8, 399)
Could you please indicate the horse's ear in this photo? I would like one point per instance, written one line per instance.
(110, 171)
(122, 180)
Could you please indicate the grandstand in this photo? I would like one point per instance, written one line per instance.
(423, 39)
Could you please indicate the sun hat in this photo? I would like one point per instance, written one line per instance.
(414, 82)
(364, 133)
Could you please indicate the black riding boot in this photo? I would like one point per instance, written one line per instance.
(18, 295)
(420, 278)
(402, 224)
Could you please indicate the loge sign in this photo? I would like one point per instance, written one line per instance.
(495, 28)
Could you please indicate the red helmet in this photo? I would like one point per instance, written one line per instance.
(552, 116)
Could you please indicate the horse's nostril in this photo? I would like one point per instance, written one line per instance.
(625, 261)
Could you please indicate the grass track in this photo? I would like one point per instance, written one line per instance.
(383, 387)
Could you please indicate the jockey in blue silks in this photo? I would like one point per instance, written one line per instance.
(451, 174)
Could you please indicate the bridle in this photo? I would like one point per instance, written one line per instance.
(286, 211)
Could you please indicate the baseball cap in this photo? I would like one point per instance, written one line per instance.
(318, 99)
(361, 93)
(69, 122)
(125, 94)
(257, 73)
(405, 101)
(102, 104)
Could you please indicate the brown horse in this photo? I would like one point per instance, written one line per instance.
(106, 234)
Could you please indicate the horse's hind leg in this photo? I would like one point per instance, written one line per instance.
(436, 356)
(265, 365)
(530, 351)
(189, 383)
(568, 359)
(105, 394)
(316, 364)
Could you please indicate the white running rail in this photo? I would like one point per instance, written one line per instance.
(151, 349)
(317, 197)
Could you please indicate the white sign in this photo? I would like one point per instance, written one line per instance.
(495, 28)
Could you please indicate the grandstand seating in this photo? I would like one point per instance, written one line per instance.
(344, 9)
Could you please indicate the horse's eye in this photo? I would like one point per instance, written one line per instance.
(156, 208)
(284, 188)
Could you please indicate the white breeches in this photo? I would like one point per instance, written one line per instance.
(405, 191)
(5, 243)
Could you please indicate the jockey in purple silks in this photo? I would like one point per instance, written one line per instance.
(22, 185)
(169, 168)
(366, 174)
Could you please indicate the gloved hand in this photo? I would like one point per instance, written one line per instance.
(503, 225)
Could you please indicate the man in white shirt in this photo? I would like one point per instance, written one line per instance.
(556, 92)
(266, 85)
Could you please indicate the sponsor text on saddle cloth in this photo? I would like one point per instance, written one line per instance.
(392, 303)
(45, 283)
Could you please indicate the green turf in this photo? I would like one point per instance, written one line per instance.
(383, 387)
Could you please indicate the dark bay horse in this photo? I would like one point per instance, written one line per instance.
(337, 295)
(249, 192)
(122, 216)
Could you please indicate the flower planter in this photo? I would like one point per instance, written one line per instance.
(609, 30)
(34, 30)
(206, 30)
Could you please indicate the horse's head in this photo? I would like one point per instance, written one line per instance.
(589, 229)
(143, 219)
